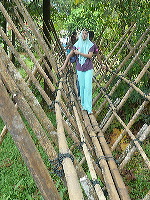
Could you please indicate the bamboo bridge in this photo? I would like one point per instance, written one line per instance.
(74, 129)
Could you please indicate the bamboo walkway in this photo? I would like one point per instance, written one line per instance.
(74, 129)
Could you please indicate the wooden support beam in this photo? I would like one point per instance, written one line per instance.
(27, 148)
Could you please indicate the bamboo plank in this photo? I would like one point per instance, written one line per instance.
(110, 186)
(123, 193)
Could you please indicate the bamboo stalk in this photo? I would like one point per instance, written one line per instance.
(23, 140)
(131, 122)
(31, 99)
(123, 193)
(87, 156)
(23, 43)
(35, 30)
(108, 179)
(28, 71)
(27, 112)
(36, 47)
(123, 63)
(133, 149)
(143, 154)
(74, 189)
(130, 89)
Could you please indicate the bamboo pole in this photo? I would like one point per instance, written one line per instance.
(110, 65)
(131, 122)
(130, 89)
(133, 149)
(87, 156)
(122, 190)
(116, 55)
(36, 47)
(123, 63)
(35, 30)
(27, 112)
(31, 99)
(23, 43)
(74, 189)
(23, 140)
(143, 154)
(133, 25)
(144, 70)
(109, 183)
(28, 71)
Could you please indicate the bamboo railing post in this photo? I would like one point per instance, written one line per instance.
(132, 121)
(23, 140)
(133, 149)
(27, 112)
(31, 99)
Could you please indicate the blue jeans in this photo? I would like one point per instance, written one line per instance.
(85, 83)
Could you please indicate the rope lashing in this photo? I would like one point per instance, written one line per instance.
(105, 158)
(95, 182)
(58, 169)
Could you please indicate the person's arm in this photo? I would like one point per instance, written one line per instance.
(89, 55)
(67, 60)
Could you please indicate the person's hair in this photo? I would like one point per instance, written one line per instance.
(74, 33)
(91, 35)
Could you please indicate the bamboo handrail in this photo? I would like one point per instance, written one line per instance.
(131, 152)
(33, 102)
(130, 134)
(131, 122)
(69, 170)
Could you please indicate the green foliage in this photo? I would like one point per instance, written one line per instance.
(139, 186)
(16, 181)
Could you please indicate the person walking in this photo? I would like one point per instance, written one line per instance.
(83, 49)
